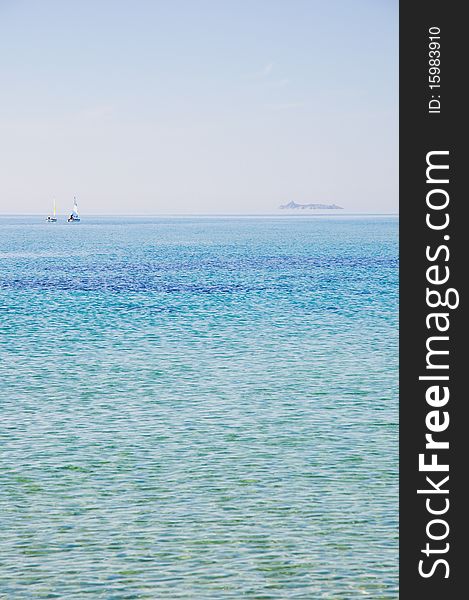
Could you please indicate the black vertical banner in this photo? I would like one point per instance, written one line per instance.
(434, 241)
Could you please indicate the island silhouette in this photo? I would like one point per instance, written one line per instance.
(312, 206)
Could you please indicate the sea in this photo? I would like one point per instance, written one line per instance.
(199, 407)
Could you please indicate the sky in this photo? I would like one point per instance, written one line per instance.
(198, 106)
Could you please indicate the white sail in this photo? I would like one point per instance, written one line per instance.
(55, 209)
(74, 216)
(75, 208)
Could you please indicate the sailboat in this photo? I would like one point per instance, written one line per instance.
(54, 218)
(74, 218)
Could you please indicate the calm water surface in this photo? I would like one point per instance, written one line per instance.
(199, 408)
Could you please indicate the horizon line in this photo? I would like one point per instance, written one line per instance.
(315, 212)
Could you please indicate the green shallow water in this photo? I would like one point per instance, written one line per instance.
(199, 408)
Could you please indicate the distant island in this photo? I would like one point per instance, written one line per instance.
(312, 206)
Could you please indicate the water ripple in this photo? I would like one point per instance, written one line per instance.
(199, 409)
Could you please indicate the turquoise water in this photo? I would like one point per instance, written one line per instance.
(199, 408)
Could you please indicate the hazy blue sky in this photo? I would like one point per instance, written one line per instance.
(149, 106)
